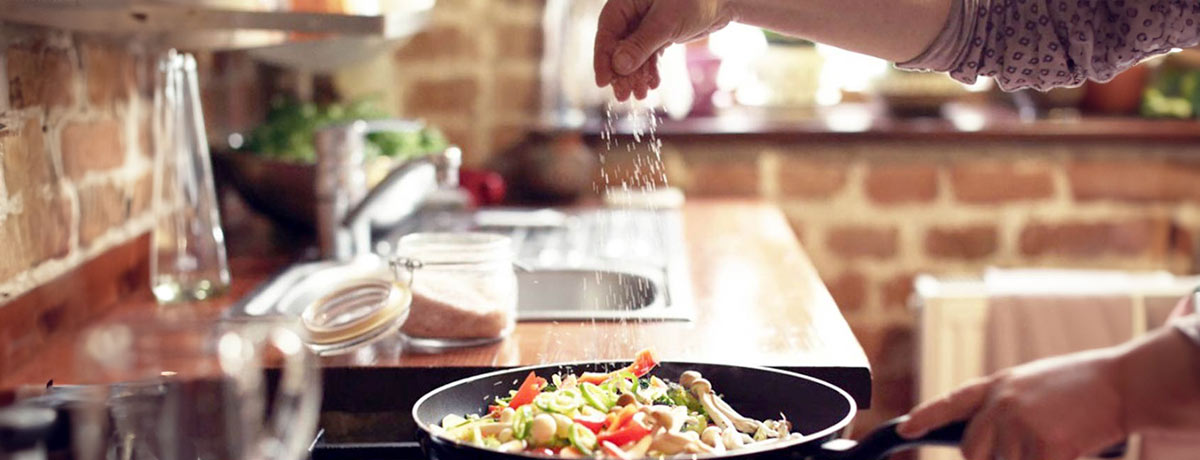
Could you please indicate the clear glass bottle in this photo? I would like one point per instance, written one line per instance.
(187, 251)
(464, 288)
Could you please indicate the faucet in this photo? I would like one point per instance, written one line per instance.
(346, 208)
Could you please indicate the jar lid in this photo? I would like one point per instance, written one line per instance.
(356, 310)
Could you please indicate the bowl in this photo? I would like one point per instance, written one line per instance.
(283, 191)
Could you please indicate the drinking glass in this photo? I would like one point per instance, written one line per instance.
(187, 259)
(170, 388)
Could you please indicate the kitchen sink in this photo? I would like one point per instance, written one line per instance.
(598, 264)
(587, 294)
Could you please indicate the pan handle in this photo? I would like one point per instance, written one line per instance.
(884, 440)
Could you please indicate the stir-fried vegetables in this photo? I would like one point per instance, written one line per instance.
(627, 413)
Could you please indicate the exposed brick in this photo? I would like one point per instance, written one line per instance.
(517, 96)
(140, 194)
(110, 72)
(890, 349)
(1091, 239)
(441, 41)
(517, 41)
(40, 232)
(995, 181)
(27, 163)
(1137, 180)
(732, 177)
(633, 169)
(101, 207)
(145, 130)
(39, 76)
(91, 146)
(859, 241)
(902, 183)
(14, 253)
(465, 139)
(799, 228)
(849, 291)
(442, 96)
(896, 291)
(969, 242)
(806, 178)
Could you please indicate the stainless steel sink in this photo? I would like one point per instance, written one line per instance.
(583, 265)
(553, 294)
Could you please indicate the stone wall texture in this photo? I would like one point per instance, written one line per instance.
(75, 170)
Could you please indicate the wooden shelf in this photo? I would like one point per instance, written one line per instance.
(851, 122)
(190, 25)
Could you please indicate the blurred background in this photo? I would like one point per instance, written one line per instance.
(884, 175)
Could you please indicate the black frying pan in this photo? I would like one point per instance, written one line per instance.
(817, 409)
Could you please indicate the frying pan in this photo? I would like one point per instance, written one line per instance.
(818, 410)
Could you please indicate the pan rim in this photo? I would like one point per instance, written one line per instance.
(802, 439)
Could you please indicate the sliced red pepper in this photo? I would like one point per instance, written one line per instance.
(631, 433)
(494, 410)
(594, 378)
(643, 363)
(592, 423)
(618, 420)
(528, 390)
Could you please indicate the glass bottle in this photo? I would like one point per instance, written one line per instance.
(187, 252)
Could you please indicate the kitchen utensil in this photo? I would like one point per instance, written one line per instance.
(175, 388)
(187, 253)
(817, 409)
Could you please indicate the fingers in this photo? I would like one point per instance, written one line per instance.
(959, 405)
(652, 33)
(622, 88)
(639, 83)
(979, 440)
(1010, 445)
(617, 17)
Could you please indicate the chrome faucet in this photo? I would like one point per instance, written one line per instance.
(346, 209)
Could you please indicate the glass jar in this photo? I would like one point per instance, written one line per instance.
(464, 289)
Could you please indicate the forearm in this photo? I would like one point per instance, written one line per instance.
(1159, 380)
(896, 30)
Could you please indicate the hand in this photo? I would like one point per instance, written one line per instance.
(1054, 409)
(1183, 308)
(632, 33)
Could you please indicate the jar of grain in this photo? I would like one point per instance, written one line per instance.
(464, 289)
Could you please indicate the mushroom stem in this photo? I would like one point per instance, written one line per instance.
(722, 414)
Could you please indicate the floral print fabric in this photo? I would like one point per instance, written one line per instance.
(1044, 44)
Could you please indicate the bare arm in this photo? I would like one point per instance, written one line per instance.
(896, 30)
(631, 32)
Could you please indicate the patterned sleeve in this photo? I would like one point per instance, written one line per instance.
(1189, 326)
(1044, 44)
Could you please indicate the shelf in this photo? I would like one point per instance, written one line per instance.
(194, 26)
(852, 122)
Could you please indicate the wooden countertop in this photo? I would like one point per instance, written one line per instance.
(758, 300)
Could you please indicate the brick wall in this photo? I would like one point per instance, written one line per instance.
(873, 214)
(474, 73)
(75, 173)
